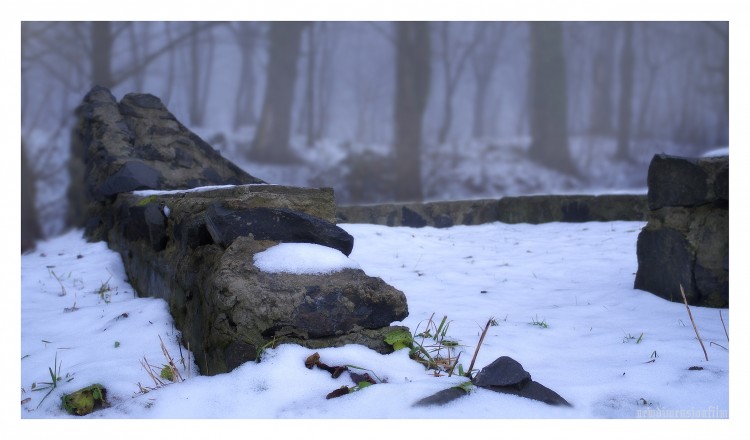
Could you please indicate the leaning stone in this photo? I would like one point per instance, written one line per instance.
(282, 225)
(505, 375)
(133, 175)
(503, 372)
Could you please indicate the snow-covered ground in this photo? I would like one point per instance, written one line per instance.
(610, 350)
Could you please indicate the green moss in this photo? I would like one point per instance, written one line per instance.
(85, 400)
(146, 200)
(399, 339)
(166, 373)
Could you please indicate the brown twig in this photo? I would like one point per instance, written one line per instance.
(693, 322)
(722, 324)
(476, 351)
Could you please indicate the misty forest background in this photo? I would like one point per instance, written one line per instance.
(389, 111)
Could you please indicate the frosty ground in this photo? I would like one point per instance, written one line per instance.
(610, 350)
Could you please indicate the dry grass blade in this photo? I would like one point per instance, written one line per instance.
(684, 298)
(479, 344)
(170, 363)
(724, 325)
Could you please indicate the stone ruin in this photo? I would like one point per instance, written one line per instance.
(686, 239)
(195, 248)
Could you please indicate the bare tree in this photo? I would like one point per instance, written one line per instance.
(720, 79)
(484, 61)
(30, 228)
(412, 90)
(199, 75)
(247, 35)
(548, 93)
(454, 56)
(625, 109)
(602, 81)
(271, 142)
(319, 75)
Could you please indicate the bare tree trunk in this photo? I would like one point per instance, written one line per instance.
(627, 62)
(101, 54)
(453, 62)
(30, 229)
(201, 62)
(310, 87)
(484, 62)
(549, 103)
(412, 90)
(271, 143)
(246, 35)
(602, 79)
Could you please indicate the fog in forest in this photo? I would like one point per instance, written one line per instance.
(391, 111)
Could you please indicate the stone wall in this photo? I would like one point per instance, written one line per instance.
(195, 247)
(524, 209)
(686, 240)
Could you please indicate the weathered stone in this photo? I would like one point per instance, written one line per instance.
(675, 181)
(412, 219)
(686, 240)
(684, 181)
(130, 177)
(145, 222)
(668, 256)
(503, 372)
(504, 375)
(277, 224)
(442, 397)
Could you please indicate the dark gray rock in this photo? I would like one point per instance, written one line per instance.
(277, 224)
(441, 397)
(504, 375)
(721, 182)
(684, 181)
(686, 240)
(676, 181)
(412, 219)
(131, 176)
(503, 372)
(665, 260)
(145, 222)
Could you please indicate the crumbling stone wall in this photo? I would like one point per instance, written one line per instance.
(195, 248)
(686, 240)
(523, 209)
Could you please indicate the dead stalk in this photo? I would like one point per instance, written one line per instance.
(684, 298)
(476, 351)
(724, 325)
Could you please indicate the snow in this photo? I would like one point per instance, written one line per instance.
(160, 192)
(302, 258)
(77, 308)
(717, 152)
